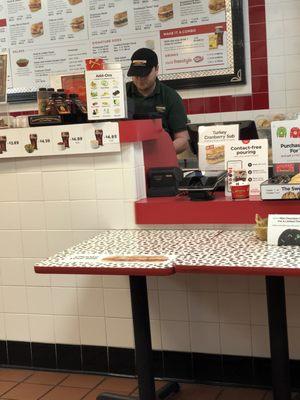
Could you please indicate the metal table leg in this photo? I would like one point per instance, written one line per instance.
(278, 338)
(143, 347)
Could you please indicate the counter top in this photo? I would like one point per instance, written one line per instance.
(221, 210)
(132, 252)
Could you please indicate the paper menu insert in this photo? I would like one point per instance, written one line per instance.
(105, 92)
(284, 230)
(211, 145)
(286, 141)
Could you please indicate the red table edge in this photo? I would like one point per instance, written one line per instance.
(105, 271)
(237, 270)
(181, 269)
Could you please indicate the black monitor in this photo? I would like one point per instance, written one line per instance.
(247, 130)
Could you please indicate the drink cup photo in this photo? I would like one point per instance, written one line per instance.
(33, 140)
(65, 138)
(99, 136)
(3, 143)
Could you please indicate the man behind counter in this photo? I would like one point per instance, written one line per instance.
(152, 96)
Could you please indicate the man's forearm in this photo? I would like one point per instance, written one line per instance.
(180, 141)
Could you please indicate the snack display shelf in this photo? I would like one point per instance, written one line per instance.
(221, 210)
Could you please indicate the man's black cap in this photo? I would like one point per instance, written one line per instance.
(142, 62)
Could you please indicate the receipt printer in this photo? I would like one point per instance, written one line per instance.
(163, 181)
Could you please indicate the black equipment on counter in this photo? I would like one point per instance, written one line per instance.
(163, 181)
(202, 186)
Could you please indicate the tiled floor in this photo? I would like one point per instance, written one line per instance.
(22, 384)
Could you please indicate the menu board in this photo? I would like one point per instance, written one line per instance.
(60, 140)
(197, 41)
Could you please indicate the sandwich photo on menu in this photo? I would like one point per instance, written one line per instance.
(165, 12)
(215, 154)
(120, 19)
(22, 62)
(37, 29)
(216, 6)
(74, 2)
(77, 24)
(35, 5)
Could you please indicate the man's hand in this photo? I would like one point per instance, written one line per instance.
(180, 142)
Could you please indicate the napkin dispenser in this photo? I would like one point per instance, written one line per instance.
(163, 181)
(202, 186)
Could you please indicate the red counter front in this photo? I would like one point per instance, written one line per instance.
(222, 210)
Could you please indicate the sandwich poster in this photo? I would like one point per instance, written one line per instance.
(248, 158)
(286, 141)
(211, 146)
(284, 229)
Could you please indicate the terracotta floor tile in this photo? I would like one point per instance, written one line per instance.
(15, 375)
(47, 378)
(118, 385)
(198, 392)
(27, 391)
(66, 393)
(242, 393)
(83, 381)
(6, 386)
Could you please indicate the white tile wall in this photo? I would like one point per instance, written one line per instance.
(66, 329)
(30, 186)
(12, 272)
(175, 335)
(117, 303)
(205, 337)
(92, 331)
(9, 216)
(9, 182)
(82, 185)
(119, 332)
(41, 328)
(58, 215)
(260, 341)
(55, 185)
(64, 301)
(90, 302)
(32, 215)
(39, 300)
(17, 327)
(236, 339)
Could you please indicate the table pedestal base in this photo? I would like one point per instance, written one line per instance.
(143, 347)
(278, 337)
(163, 393)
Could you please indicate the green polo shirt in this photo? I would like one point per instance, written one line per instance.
(165, 101)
